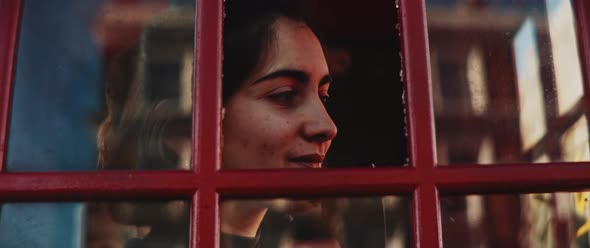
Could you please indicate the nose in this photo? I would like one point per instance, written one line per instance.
(318, 126)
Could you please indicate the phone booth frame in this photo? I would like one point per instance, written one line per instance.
(422, 179)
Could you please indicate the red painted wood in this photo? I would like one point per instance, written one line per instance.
(417, 81)
(582, 12)
(509, 178)
(420, 122)
(427, 224)
(518, 178)
(513, 178)
(207, 231)
(103, 185)
(207, 95)
(309, 182)
(421, 179)
(207, 118)
(9, 23)
(194, 222)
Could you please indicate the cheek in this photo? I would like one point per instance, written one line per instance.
(259, 137)
(269, 134)
(259, 133)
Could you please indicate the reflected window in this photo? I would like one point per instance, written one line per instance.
(506, 81)
(104, 80)
(557, 219)
(95, 224)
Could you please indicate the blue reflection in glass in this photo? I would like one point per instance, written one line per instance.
(57, 88)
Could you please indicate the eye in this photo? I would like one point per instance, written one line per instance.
(285, 98)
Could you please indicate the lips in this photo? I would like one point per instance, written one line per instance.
(308, 161)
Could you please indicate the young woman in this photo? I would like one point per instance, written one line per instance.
(276, 81)
(274, 115)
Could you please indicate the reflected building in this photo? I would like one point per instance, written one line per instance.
(507, 88)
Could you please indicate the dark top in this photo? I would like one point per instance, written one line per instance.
(235, 241)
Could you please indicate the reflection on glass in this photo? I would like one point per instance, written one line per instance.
(95, 225)
(330, 222)
(530, 92)
(565, 53)
(277, 82)
(103, 80)
(560, 219)
(574, 142)
(507, 82)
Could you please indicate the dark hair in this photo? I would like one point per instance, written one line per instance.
(248, 34)
(130, 135)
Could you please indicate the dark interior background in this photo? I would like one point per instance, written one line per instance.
(367, 94)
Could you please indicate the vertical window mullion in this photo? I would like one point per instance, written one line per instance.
(204, 222)
(416, 76)
(420, 125)
(426, 216)
(9, 22)
(582, 15)
(206, 120)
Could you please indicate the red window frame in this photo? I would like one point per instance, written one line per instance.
(421, 179)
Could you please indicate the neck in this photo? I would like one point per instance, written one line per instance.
(241, 218)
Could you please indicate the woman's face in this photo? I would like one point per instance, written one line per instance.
(277, 118)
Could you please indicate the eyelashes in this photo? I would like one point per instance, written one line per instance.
(291, 97)
(285, 98)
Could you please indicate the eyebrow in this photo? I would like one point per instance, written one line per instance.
(297, 75)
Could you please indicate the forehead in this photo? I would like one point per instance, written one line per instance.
(294, 46)
(289, 29)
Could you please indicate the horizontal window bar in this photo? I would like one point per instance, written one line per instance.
(107, 185)
(516, 178)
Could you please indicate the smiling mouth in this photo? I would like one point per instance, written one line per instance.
(308, 161)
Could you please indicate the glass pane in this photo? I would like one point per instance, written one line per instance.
(329, 222)
(277, 72)
(560, 219)
(95, 225)
(507, 82)
(103, 80)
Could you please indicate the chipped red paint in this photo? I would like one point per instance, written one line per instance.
(420, 122)
(9, 23)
